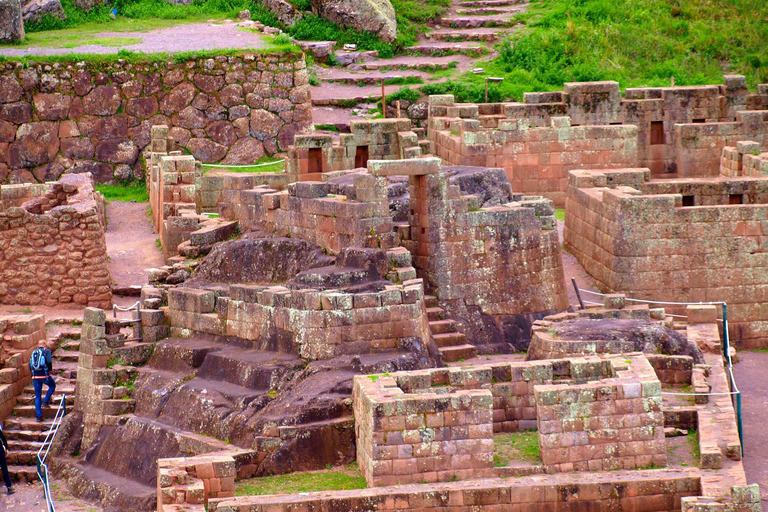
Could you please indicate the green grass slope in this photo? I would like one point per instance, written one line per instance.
(635, 42)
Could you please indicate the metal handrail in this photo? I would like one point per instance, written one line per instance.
(42, 453)
(735, 391)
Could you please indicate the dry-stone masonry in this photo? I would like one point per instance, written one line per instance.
(19, 337)
(673, 131)
(96, 117)
(682, 240)
(53, 250)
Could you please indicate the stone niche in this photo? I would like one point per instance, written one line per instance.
(593, 413)
(75, 117)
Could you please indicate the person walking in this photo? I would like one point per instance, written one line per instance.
(41, 364)
(3, 462)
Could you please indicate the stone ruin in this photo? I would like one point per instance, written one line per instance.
(52, 245)
(676, 132)
(334, 312)
(682, 240)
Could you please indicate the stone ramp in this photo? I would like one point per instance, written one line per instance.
(113, 492)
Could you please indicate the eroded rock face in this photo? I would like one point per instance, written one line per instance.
(374, 16)
(647, 336)
(490, 185)
(11, 24)
(259, 261)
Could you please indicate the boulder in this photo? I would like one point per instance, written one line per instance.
(36, 144)
(11, 25)
(374, 16)
(284, 11)
(33, 11)
(245, 151)
(206, 150)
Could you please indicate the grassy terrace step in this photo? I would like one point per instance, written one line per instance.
(447, 49)
(332, 479)
(420, 65)
(488, 3)
(366, 78)
(477, 21)
(458, 353)
(458, 35)
(483, 11)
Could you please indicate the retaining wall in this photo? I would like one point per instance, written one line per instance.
(96, 117)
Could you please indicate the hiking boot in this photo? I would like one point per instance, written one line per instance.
(46, 405)
(11, 490)
(40, 419)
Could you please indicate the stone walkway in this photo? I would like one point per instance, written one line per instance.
(183, 38)
(752, 379)
(463, 39)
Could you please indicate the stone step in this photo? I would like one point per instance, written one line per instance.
(435, 314)
(430, 301)
(23, 473)
(27, 399)
(70, 345)
(478, 21)
(36, 436)
(14, 445)
(366, 79)
(488, 3)
(22, 457)
(447, 49)
(458, 352)
(68, 356)
(28, 411)
(460, 35)
(482, 11)
(449, 339)
(442, 326)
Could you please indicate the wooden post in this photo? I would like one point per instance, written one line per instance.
(383, 101)
(672, 81)
(486, 89)
(398, 108)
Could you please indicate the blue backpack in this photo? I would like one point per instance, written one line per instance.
(37, 361)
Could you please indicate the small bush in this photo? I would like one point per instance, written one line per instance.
(281, 39)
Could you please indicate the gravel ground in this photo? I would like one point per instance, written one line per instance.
(184, 38)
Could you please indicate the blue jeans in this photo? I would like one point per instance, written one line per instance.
(38, 383)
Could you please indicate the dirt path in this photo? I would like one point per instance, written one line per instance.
(184, 38)
(131, 243)
(29, 498)
(752, 379)
(573, 270)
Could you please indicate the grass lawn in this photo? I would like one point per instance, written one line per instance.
(262, 166)
(87, 33)
(334, 479)
(520, 446)
(135, 191)
(635, 42)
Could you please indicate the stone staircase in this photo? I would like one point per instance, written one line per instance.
(25, 435)
(451, 343)
(462, 39)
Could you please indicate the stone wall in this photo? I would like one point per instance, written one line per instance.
(536, 159)
(431, 436)
(313, 324)
(19, 337)
(674, 131)
(651, 491)
(374, 139)
(608, 424)
(745, 159)
(675, 240)
(96, 117)
(496, 269)
(185, 484)
(53, 249)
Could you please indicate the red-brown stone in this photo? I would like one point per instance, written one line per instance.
(104, 100)
(36, 144)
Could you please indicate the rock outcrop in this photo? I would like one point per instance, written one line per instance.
(33, 11)
(374, 16)
(11, 26)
